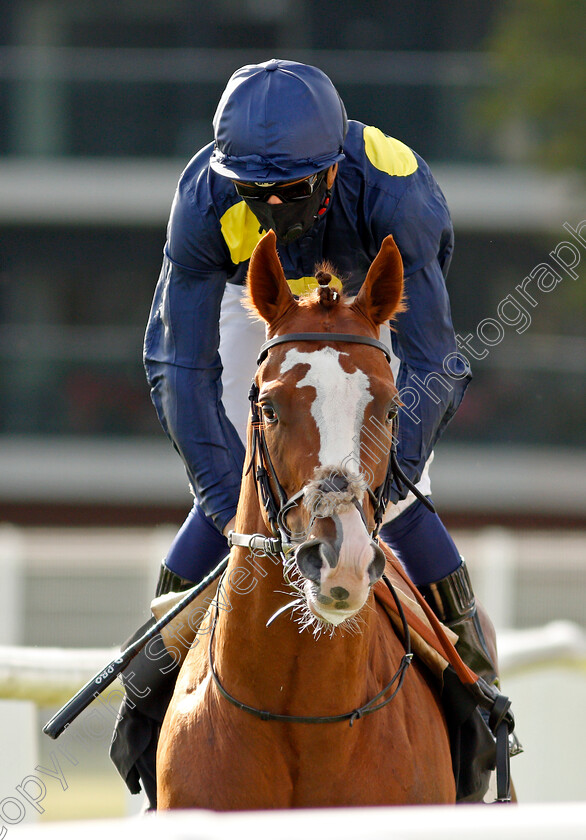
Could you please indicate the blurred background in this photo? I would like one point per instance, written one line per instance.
(101, 106)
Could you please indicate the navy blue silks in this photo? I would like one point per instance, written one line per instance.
(197, 548)
(421, 542)
(381, 187)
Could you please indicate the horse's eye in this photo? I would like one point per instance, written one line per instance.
(269, 414)
(391, 413)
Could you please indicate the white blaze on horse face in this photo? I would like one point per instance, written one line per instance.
(338, 410)
(340, 401)
(344, 588)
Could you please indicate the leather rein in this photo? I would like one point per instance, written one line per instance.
(368, 708)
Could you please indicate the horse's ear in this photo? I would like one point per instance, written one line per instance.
(381, 295)
(268, 292)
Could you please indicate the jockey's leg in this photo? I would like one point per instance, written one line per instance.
(421, 542)
(150, 678)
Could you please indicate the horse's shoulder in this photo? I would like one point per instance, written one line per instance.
(194, 671)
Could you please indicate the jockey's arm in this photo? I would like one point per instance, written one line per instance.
(184, 372)
(433, 376)
(424, 342)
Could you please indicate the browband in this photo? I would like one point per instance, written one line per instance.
(347, 337)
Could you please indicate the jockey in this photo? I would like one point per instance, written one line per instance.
(286, 158)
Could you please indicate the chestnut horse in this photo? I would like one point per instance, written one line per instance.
(245, 728)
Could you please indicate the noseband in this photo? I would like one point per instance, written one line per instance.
(270, 490)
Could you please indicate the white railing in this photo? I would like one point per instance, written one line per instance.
(538, 822)
(50, 676)
(67, 587)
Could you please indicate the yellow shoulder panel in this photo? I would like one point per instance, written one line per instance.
(387, 154)
(240, 231)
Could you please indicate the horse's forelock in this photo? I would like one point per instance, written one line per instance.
(325, 272)
(328, 297)
(326, 294)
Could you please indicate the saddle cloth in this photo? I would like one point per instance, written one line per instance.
(431, 640)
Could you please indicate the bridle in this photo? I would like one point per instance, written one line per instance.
(269, 488)
(277, 505)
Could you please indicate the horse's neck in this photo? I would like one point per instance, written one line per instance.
(277, 657)
(252, 578)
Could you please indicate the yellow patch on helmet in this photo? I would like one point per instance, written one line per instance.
(387, 154)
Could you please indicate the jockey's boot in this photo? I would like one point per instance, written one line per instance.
(452, 600)
(149, 681)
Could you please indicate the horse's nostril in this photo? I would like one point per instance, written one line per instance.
(377, 566)
(312, 555)
(328, 554)
(309, 560)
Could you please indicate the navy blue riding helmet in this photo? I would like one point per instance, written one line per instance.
(272, 143)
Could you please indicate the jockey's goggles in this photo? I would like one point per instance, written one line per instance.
(293, 191)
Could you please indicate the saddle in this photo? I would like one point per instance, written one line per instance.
(432, 641)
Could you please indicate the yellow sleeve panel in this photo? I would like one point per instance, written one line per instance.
(387, 154)
(240, 229)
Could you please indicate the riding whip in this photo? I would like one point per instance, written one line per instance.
(92, 689)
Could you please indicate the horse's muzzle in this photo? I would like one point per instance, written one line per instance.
(337, 588)
(313, 554)
(340, 561)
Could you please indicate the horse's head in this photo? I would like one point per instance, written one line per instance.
(327, 406)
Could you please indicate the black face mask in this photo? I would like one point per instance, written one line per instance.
(293, 219)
